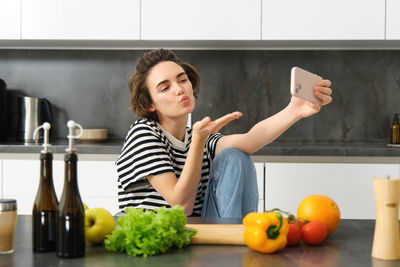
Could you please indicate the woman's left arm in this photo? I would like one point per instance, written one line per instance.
(266, 131)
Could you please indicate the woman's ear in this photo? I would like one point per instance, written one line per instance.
(152, 108)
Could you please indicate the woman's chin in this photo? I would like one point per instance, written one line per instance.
(189, 109)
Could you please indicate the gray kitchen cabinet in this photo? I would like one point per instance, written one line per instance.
(81, 20)
(200, 20)
(349, 185)
(323, 20)
(10, 19)
(96, 179)
(392, 19)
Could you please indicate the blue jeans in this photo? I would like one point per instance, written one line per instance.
(232, 188)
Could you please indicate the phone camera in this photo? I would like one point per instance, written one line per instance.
(298, 88)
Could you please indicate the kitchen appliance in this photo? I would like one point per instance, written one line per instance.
(3, 111)
(32, 112)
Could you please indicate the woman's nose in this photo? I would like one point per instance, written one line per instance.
(179, 89)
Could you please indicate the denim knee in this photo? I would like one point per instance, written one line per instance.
(234, 158)
(234, 183)
(234, 155)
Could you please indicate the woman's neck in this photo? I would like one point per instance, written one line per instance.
(176, 127)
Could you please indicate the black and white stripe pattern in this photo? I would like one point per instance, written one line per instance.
(148, 151)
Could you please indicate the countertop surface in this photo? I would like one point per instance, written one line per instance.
(277, 148)
(112, 146)
(350, 245)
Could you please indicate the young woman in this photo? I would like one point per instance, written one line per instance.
(165, 163)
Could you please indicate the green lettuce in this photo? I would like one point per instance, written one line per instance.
(146, 233)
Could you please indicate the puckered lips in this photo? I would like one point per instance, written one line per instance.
(184, 100)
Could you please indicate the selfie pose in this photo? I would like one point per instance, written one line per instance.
(165, 163)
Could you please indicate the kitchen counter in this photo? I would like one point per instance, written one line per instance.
(278, 151)
(350, 245)
(112, 146)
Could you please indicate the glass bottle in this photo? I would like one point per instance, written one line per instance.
(45, 205)
(395, 130)
(8, 223)
(70, 213)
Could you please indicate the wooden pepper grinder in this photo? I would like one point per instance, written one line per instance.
(386, 245)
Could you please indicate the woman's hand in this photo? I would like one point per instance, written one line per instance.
(304, 108)
(205, 127)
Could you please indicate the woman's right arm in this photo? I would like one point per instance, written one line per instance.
(183, 191)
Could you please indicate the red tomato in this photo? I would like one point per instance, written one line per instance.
(314, 232)
(299, 222)
(294, 234)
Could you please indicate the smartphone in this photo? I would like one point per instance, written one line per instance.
(302, 83)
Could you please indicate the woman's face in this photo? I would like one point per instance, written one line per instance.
(170, 90)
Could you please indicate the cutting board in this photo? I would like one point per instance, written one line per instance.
(218, 234)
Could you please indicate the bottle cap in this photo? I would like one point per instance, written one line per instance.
(71, 126)
(46, 128)
(396, 118)
(7, 204)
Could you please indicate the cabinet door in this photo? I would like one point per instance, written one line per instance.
(98, 184)
(96, 180)
(349, 185)
(323, 20)
(10, 19)
(201, 20)
(392, 19)
(74, 19)
(20, 181)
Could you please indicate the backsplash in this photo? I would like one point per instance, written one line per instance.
(91, 88)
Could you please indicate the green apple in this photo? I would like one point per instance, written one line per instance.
(98, 223)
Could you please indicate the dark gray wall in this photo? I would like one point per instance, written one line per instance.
(90, 87)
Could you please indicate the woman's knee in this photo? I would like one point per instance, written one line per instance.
(234, 163)
(236, 182)
(235, 155)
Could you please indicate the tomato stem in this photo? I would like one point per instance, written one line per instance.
(289, 215)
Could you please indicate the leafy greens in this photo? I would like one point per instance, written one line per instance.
(149, 232)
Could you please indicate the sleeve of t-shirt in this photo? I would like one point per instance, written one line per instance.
(211, 144)
(143, 154)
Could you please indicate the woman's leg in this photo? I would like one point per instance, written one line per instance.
(232, 188)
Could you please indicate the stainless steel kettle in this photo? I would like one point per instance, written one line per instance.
(32, 112)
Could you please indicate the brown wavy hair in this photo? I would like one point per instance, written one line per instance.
(140, 99)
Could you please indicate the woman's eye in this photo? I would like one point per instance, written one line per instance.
(184, 80)
(164, 89)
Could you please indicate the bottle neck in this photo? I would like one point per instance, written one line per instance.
(71, 174)
(46, 168)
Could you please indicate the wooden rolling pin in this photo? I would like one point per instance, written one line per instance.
(218, 234)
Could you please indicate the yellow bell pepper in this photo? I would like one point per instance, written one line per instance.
(265, 232)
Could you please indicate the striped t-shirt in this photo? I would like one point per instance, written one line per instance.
(150, 150)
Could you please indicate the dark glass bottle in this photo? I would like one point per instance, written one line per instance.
(395, 130)
(45, 208)
(70, 214)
